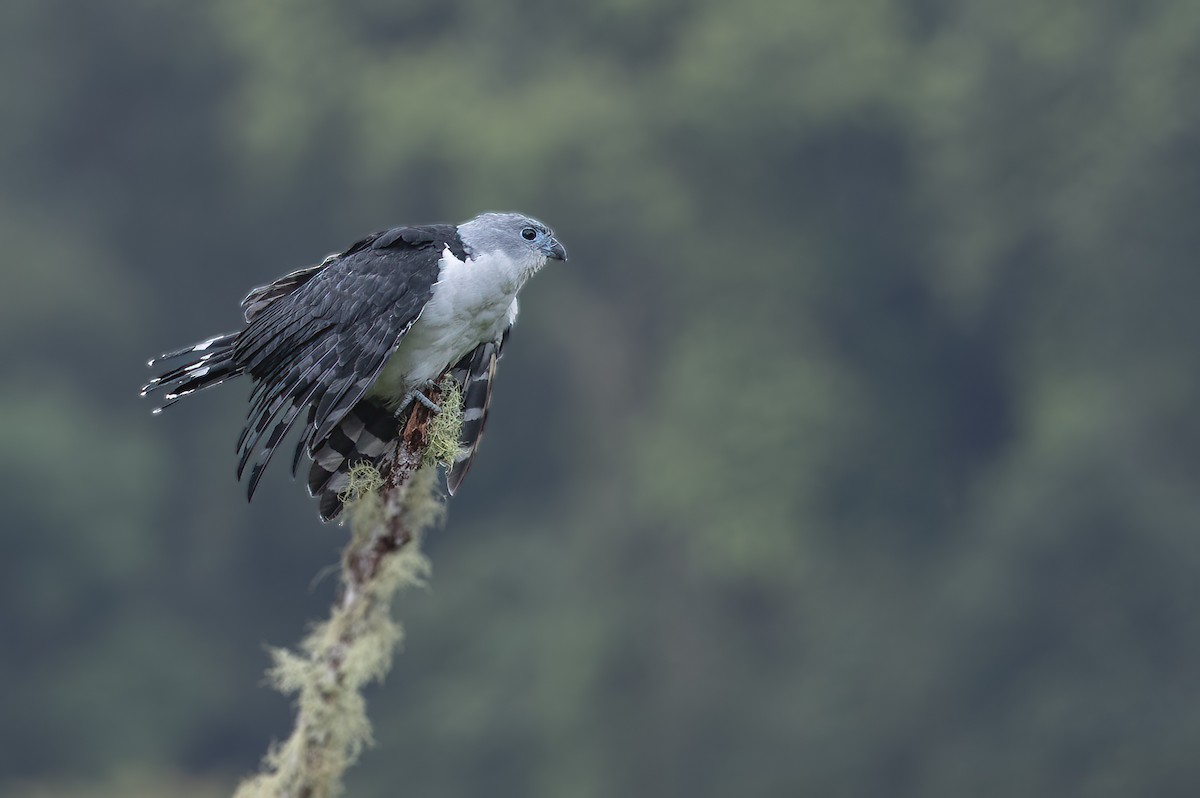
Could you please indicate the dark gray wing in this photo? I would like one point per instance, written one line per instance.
(261, 298)
(319, 337)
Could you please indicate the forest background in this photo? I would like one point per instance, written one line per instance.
(854, 452)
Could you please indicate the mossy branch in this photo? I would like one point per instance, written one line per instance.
(387, 516)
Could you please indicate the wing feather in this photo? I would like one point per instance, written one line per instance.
(259, 299)
(317, 338)
(281, 429)
(299, 391)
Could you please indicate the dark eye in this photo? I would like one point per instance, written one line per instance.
(529, 234)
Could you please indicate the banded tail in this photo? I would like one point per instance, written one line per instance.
(474, 374)
(369, 433)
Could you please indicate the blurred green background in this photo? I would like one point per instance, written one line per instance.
(855, 452)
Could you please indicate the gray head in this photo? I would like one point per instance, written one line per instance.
(518, 236)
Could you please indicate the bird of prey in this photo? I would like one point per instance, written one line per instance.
(355, 339)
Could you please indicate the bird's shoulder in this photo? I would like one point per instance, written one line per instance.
(412, 241)
(394, 268)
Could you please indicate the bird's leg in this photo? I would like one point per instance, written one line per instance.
(417, 395)
(425, 400)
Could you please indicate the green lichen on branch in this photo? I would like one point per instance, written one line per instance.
(444, 428)
(387, 515)
(362, 504)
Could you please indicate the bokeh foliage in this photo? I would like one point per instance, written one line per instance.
(853, 452)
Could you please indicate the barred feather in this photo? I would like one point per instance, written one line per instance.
(369, 432)
(476, 383)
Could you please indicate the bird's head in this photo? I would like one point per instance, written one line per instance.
(521, 238)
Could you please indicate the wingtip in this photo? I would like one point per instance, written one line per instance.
(252, 483)
(158, 359)
(256, 473)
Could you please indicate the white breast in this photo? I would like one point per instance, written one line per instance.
(472, 302)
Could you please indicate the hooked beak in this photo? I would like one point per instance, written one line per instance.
(556, 250)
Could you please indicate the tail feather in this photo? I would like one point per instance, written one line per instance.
(474, 374)
(366, 434)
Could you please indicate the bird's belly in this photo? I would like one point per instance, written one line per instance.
(450, 326)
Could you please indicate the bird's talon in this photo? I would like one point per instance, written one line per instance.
(425, 400)
(418, 396)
